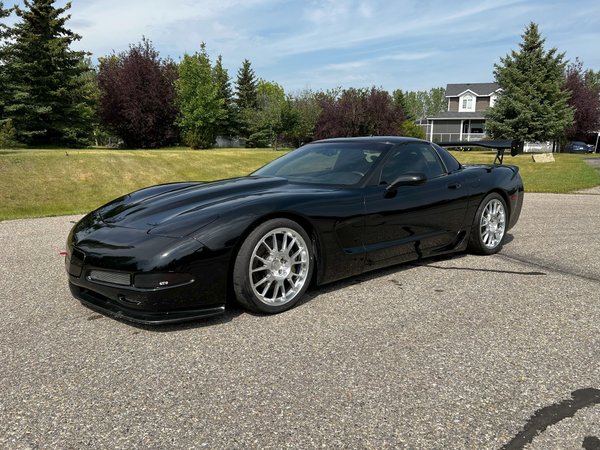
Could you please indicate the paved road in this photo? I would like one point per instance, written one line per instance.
(452, 353)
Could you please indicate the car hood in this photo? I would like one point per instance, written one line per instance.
(178, 209)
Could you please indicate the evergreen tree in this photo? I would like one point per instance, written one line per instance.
(225, 126)
(246, 87)
(4, 32)
(3, 14)
(202, 108)
(532, 105)
(401, 100)
(46, 89)
(246, 99)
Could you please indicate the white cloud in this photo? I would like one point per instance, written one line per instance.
(390, 23)
(365, 10)
(353, 65)
(407, 56)
(325, 43)
(327, 11)
(178, 24)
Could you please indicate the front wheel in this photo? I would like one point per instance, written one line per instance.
(273, 267)
(489, 225)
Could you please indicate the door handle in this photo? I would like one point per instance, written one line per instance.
(454, 186)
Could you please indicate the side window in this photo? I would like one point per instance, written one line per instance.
(435, 167)
(414, 157)
(452, 165)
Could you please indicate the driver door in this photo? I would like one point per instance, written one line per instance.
(410, 222)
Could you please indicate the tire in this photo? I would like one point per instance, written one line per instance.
(489, 226)
(273, 267)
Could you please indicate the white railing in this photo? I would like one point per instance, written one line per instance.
(448, 137)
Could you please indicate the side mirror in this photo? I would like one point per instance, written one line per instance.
(408, 179)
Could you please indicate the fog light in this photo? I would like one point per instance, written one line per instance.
(161, 280)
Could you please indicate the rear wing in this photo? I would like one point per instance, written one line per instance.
(500, 145)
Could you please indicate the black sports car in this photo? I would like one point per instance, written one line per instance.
(329, 210)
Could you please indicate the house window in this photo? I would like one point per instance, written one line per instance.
(467, 103)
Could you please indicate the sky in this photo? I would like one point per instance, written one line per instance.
(403, 44)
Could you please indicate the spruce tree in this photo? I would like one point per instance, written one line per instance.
(4, 32)
(3, 13)
(46, 98)
(246, 100)
(532, 105)
(225, 126)
(246, 87)
(401, 100)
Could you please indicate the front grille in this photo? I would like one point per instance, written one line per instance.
(120, 278)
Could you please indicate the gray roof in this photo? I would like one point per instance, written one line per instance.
(481, 89)
(458, 115)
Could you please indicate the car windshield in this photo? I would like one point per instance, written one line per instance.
(341, 163)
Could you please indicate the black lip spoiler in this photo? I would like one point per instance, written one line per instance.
(500, 145)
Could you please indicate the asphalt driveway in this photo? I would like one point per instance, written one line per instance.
(461, 352)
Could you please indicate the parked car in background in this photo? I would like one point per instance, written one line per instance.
(578, 147)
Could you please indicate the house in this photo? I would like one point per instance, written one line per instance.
(465, 118)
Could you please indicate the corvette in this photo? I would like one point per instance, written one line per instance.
(329, 210)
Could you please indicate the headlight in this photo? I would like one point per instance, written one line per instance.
(161, 280)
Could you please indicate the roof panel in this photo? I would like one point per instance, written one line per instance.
(481, 89)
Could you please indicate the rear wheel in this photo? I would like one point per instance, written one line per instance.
(273, 267)
(489, 225)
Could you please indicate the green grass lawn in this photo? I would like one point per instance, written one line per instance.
(36, 183)
(569, 173)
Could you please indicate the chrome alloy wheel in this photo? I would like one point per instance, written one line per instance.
(279, 266)
(492, 224)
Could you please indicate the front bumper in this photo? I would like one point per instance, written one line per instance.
(105, 305)
(118, 295)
